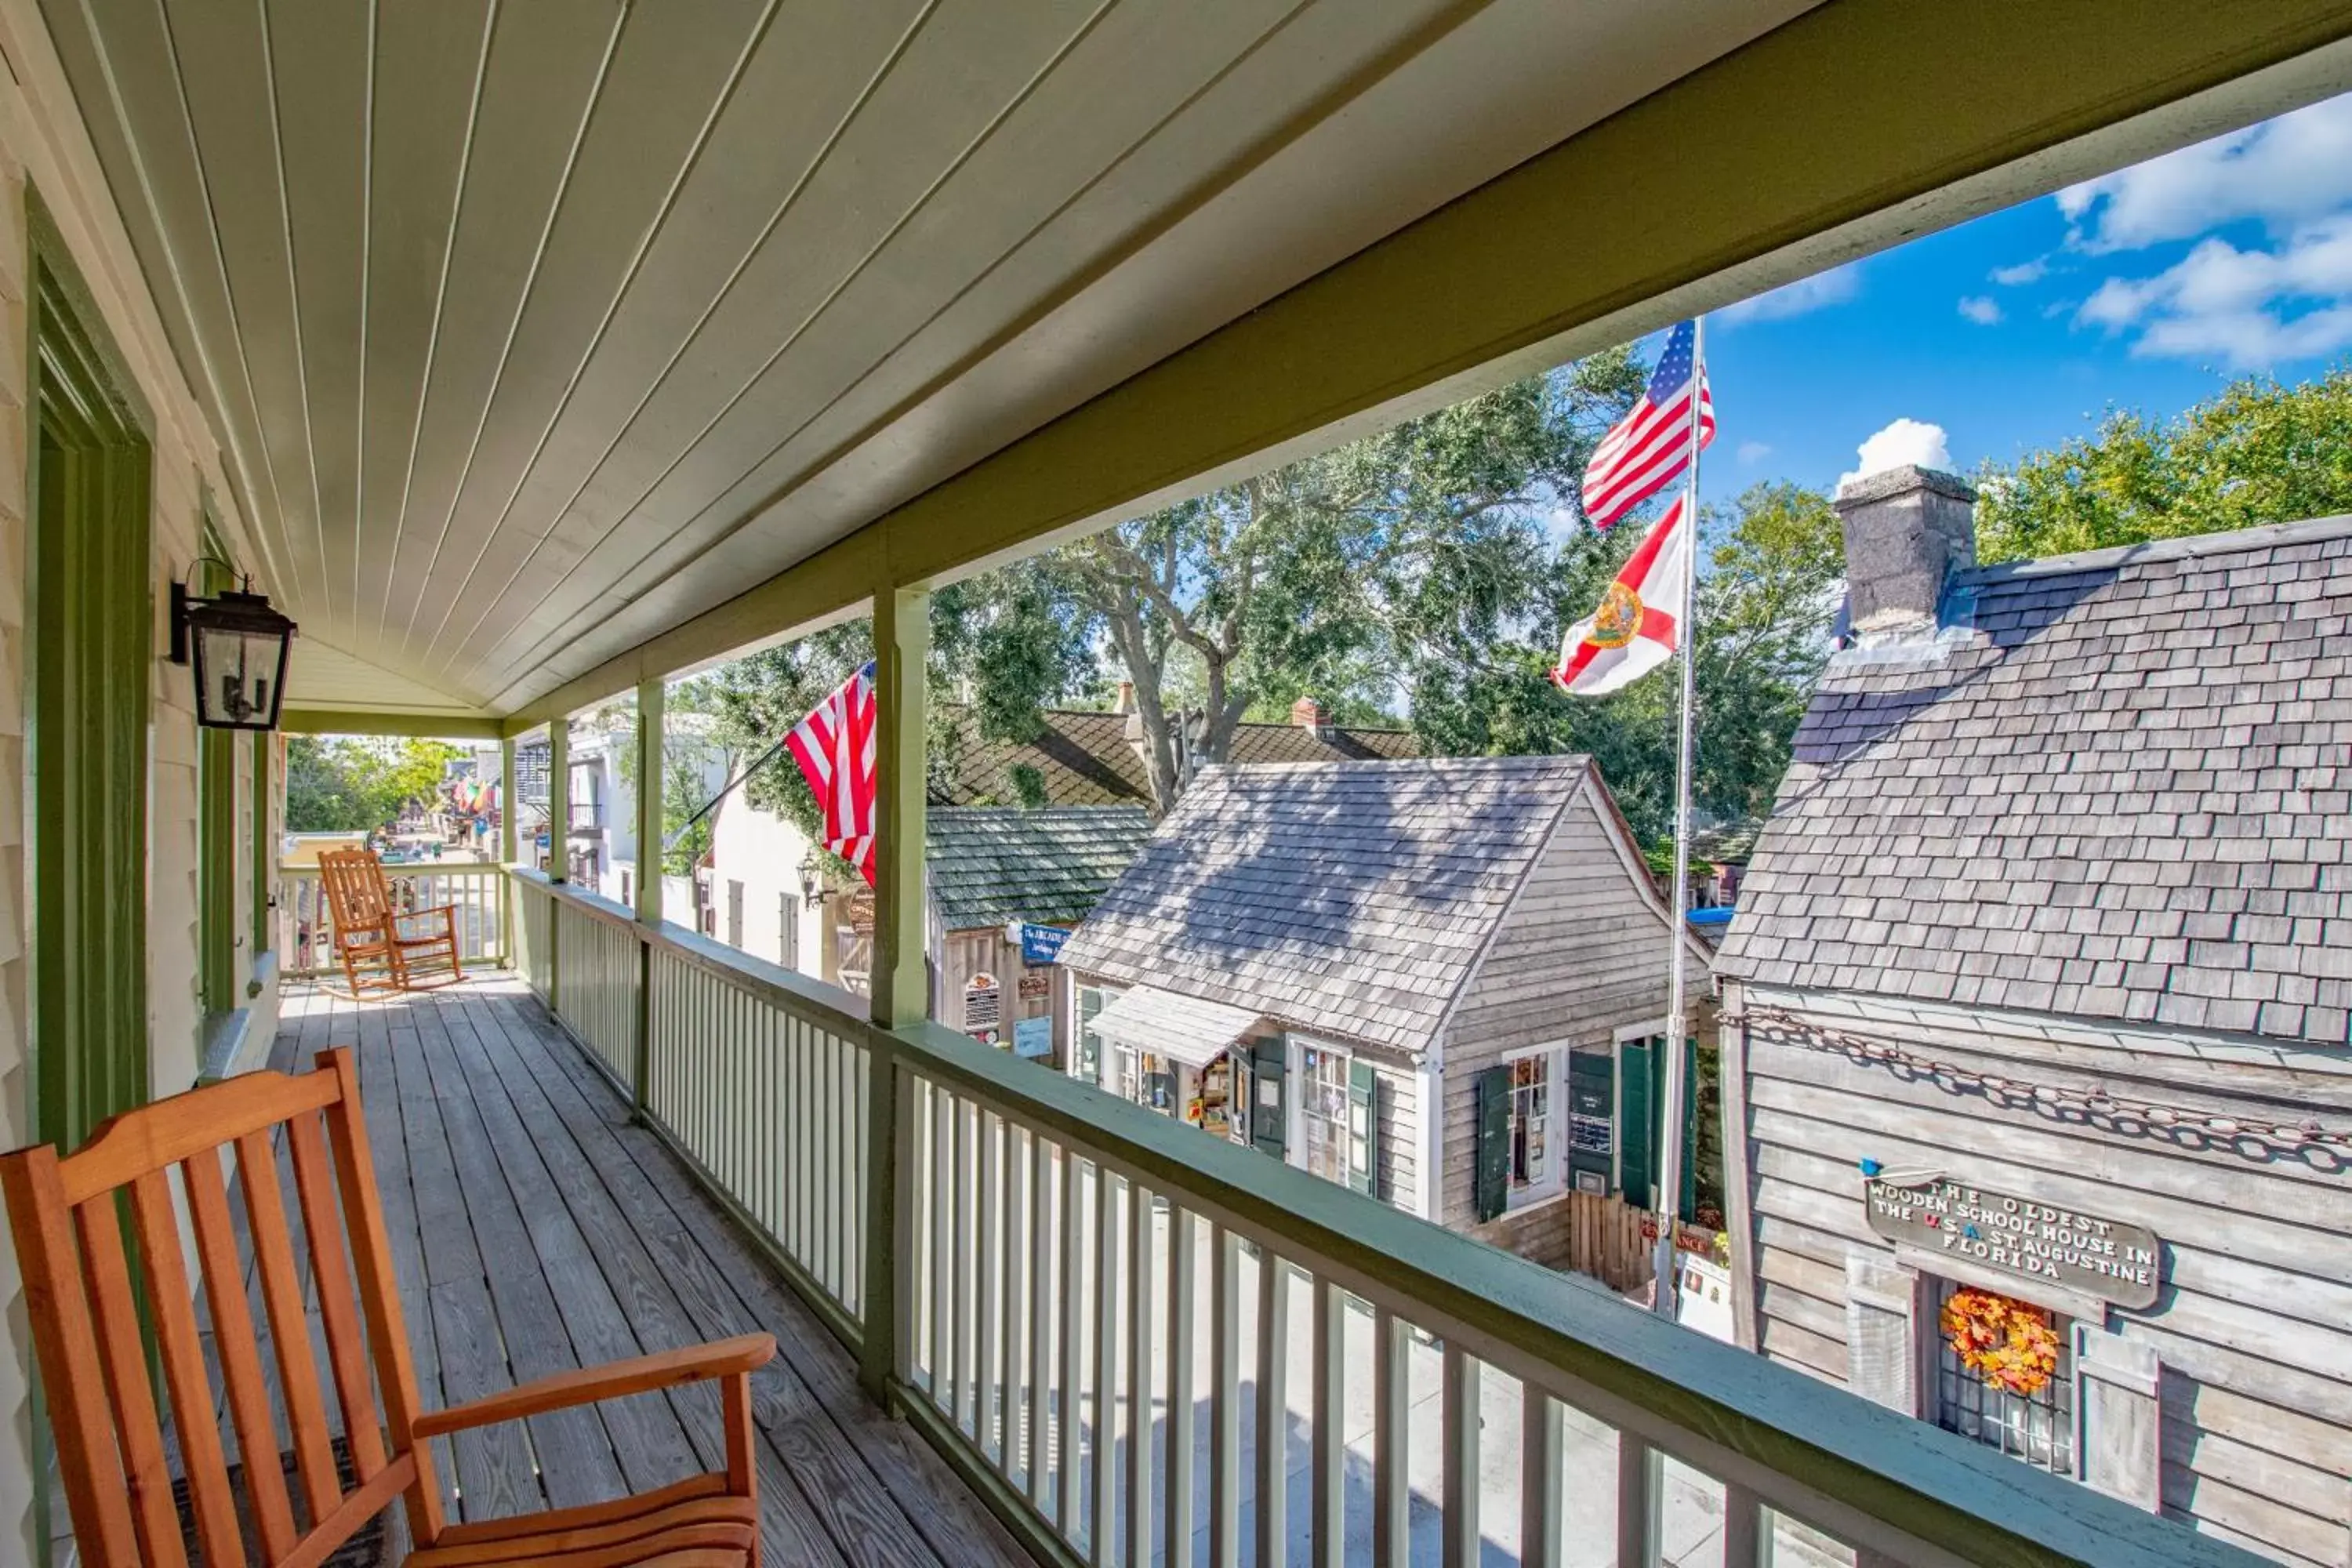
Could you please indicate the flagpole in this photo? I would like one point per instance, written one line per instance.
(1670, 1169)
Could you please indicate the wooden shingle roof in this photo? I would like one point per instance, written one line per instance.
(992, 865)
(1085, 759)
(2119, 786)
(1347, 897)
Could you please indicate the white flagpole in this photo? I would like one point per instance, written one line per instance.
(1670, 1167)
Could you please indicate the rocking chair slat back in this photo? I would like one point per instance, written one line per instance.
(380, 944)
(68, 1215)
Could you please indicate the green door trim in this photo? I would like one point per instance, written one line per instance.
(88, 651)
(216, 978)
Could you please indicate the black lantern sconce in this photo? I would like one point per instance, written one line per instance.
(240, 646)
(813, 892)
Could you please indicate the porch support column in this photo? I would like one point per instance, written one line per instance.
(652, 779)
(901, 993)
(902, 636)
(559, 796)
(650, 783)
(509, 849)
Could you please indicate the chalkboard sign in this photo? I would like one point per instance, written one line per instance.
(984, 1003)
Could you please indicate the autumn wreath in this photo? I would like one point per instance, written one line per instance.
(2008, 1344)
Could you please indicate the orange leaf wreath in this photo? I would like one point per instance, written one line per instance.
(2006, 1342)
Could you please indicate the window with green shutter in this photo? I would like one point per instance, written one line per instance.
(1269, 1091)
(1491, 1184)
(1641, 1121)
(1363, 1128)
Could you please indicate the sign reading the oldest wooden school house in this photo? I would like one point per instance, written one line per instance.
(2106, 1258)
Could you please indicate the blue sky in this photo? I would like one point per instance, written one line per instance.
(2149, 289)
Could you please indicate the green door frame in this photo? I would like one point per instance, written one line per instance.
(88, 648)
(216, 827)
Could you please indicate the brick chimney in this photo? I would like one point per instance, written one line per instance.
(1308, 714)
(1126, 698)
(1908, 530)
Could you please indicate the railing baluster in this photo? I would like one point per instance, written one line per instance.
(1461, 1406)
(1273, 1406)
(961, 1277)
(1042, 1232)
(1637, 1502)
(1014, 1259)
(1074, 1316)
(1104, 1538)
(1747, 1532)
(1141, 1303)
(1391, 1440)
(1540, 1438)
(1176, 1482)
(1224, 1398)
(981, 1263)
(943, 1260)
(1330, 1459)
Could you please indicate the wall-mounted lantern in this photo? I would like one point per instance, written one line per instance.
(813, 892)
(240, 646)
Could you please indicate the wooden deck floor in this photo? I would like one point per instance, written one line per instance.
(535, 1229)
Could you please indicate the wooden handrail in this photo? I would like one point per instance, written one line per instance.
(1875, 1478)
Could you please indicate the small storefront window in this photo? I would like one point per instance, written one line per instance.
(1323, 1112)
(2019, 1397)
(1532, 1156)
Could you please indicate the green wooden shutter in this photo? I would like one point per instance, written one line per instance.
(1493, 1189)
(1637, 1122)
(1592, 1099)
(1363, 1127)
(1269, 1101)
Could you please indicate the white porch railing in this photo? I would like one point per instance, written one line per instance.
(478, 889)
(1142, 1345)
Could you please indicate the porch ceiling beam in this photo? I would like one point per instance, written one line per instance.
(1859, 125)
(362, 722)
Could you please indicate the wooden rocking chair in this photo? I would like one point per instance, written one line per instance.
(381, 947)
(68, 1219)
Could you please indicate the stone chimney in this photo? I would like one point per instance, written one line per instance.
(1908, 530)
(1308, 714)
(1126, 698)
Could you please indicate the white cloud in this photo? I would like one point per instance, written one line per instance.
(2284, 171)
(2024, 272)
(2249, 309)
(1803, 297)
(1904, 441)
(1981, 309)
(1754, 451)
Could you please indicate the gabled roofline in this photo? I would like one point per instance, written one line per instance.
(2190, 547)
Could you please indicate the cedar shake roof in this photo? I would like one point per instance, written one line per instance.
(1347, 897)
(992, 865)
(2119, 786)
(1086, 761)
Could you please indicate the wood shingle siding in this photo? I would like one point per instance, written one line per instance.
(2253, 1328)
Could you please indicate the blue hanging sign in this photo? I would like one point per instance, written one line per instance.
(1042, 945)
(1033, 1038)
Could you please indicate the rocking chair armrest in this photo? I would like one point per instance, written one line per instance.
(738, 1357)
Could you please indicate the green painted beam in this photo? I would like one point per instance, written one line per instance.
(1858, 125)
(362, 721)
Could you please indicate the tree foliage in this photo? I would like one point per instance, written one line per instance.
(2256, 452)
(341, 784)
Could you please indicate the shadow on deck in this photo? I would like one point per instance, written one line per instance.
(535, 1229)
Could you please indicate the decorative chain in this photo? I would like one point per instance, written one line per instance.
(2093, 1103)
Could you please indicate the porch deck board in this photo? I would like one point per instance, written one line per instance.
(535, 1229)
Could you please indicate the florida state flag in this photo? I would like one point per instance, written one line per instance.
(1638, 624)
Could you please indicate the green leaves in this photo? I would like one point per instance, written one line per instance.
(2257, 452)
(352, 785)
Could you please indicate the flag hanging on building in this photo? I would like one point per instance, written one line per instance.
(835, 747)
(1637, 627)
(1650, 448)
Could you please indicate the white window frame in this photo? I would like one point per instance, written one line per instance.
(1079, 1029)
(1295, 1145)
(1554, 1180)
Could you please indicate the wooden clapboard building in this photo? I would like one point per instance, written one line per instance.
(2039, 989)
(1440, 982)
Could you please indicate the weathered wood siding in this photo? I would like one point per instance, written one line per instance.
(2254, 1324)
(1592, 1234)
(1581, 955)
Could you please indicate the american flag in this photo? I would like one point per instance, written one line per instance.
(835, 747)
(1649, 448)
